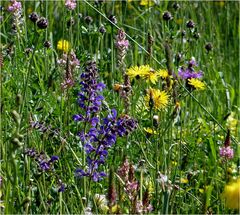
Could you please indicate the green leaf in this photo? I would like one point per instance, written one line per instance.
(213, 149)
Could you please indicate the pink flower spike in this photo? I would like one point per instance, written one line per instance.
(70, 4)
(15, 6)
(226, 152)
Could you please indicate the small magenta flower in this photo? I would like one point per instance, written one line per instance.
(226, 151)
(70, 62)
(122, 42)
(70, 4)
(15, 6)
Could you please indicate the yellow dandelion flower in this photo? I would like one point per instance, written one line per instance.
(163, 73)
(183, 180)
(63, 45)
(145, 72)
(151, 76)
(150, 131)
(231, 194)
(138, 71)
(156, 98)
(197, 84)
(147, 3)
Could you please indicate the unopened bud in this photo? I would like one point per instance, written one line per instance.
(167, 16)
(208, 47)
(33, 17)
(190, 24)
(156, 120)
(42, 23)
(16, 117)
(19, 99)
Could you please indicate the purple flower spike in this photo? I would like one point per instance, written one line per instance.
(62, 188)
(54, 158)
(45, 166)
(100, 134)
(78, 117)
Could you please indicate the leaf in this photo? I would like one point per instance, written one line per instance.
(213, 150)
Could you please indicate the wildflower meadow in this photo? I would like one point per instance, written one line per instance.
(119, 107)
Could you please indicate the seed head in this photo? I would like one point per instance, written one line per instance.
(167, 16)
(190, 24)
(208, 47)
(33, 17)
(113, 19)
(196, 35)
(175, 6)
(70, 22)
(47, 44)
(88, 20)
(42, 23)
(102, 29)
(183, 33)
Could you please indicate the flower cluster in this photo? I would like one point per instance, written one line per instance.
(131, 187)
(190, 74)
(122, 45)
(226, 151)
(102, 133)
(89, 99)
(147, 73)
(70, 59)
(16, 9)
(41, 127)
(63, 45)
(15, 6)
(156, 99)
(70, 62)
(99, 139)
(70, 4)
(44, 163)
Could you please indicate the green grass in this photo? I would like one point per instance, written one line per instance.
(184, 149)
